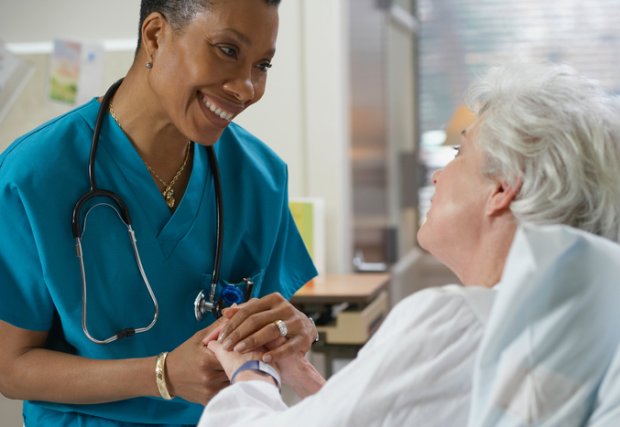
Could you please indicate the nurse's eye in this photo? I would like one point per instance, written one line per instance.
(457, 148)
(228, 50)
(264, 66)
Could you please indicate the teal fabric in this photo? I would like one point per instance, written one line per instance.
(43, 174)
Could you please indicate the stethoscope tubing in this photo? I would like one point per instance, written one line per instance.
(219, 229)
(127, 332)
(103, 110)
(201, 305)
(122, 211)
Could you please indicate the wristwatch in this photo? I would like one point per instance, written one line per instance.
(258, 366)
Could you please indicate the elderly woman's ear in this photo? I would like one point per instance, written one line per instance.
(503, 195)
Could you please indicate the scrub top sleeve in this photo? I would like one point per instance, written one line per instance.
(24, 299)
(290, 266)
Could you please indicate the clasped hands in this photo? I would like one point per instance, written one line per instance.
(251, 332)
(202, 366)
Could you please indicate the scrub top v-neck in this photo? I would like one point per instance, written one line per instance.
(166, 226)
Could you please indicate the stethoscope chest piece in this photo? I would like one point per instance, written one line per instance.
(202, 306)
(229, 295)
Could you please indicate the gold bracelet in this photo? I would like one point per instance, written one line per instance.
(160, 377)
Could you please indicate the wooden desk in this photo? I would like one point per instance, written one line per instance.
(365, 295)
(337, 288)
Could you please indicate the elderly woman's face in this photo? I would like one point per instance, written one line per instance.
(455, 219)
(216, 67)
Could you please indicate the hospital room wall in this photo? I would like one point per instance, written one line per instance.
(303, 115)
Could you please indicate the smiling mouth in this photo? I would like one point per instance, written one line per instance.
(221, 113)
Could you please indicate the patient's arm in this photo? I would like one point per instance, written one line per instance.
(416, 370)
(295, 370)
(300, 375)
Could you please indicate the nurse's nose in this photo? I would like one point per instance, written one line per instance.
(242, 86)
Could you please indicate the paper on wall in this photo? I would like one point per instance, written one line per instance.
(76, 71)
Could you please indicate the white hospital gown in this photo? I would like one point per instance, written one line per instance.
(549, 356)
(415, 371)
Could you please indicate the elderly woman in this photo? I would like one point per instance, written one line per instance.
(192, 182)
(543, 150)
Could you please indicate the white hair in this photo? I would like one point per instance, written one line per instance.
(558, 133)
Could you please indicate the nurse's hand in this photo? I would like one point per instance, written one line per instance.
(252, 325)
(193, 372)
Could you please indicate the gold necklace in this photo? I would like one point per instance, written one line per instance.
(168, 191)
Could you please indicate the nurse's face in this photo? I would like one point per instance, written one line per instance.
(456, 219)
(216, 67)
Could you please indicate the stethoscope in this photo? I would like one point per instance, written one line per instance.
(229, 293)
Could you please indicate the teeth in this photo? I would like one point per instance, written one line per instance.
(217, 110)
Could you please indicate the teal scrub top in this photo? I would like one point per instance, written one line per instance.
(45, 172)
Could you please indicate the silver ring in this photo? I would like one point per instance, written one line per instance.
(281, 327)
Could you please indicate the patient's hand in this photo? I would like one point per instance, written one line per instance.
(230, 359)
(295, 369)
(298, 372)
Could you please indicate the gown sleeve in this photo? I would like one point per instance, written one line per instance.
(415, 371)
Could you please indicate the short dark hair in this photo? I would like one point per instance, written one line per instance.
(179, 13)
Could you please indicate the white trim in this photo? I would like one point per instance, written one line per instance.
(33, 48)
(29, 48)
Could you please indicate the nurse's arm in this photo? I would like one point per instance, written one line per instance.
(29, 371)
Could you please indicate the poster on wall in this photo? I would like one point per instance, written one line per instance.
(76, 71)
(309, 216)
(14, 74)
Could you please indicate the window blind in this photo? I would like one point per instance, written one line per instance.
(461, 38)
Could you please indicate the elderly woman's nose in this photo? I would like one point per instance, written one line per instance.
(435, 175)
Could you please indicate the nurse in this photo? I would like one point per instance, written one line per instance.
(199, 64)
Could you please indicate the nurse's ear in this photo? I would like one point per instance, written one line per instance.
(502, 196)
(154, 29)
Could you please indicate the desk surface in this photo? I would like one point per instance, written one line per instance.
(336, 288)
